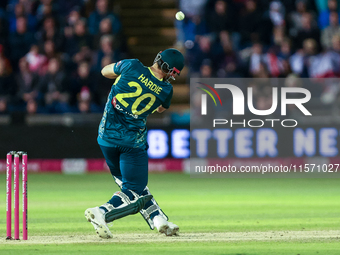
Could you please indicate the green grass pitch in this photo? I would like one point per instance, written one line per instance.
(216, 216)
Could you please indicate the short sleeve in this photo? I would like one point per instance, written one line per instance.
(122, 66)
(167, 102)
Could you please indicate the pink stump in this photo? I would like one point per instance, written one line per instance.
(9, 195)
(24, 196)
(16, 197)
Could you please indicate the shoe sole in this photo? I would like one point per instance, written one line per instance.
(163, 229)
(172, 231)
(101, 230)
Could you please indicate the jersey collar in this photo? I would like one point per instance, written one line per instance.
(154, 74)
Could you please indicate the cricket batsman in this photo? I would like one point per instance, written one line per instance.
(122, 136)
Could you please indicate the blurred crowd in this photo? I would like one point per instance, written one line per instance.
(52, 51)
(262, 39)
(51, 54)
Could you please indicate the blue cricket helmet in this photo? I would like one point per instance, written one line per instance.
(171, 62)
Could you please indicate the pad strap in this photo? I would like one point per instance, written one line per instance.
(108, 206)
(123, 196)
(151, 209)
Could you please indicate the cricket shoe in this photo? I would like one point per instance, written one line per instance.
(172, 230)
(165, 227)
(97, 218)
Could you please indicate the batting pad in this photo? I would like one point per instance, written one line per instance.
(146, 211)
(132, 208)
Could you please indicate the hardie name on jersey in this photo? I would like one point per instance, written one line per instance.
(149, 84)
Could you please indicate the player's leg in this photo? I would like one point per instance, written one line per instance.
(134, 168)
(112, 155)
(154, 216)
(121, 204)
(95, 215)
(134, 177)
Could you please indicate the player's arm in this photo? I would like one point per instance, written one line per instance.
(166, 104)
(161, 109)
(108, 72)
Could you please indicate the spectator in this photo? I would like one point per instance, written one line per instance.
(285, 49)
(310, 49)
(273, 63)
(49, 50)
(329, 32)
(336, 43)
(85, 104)
(36, 61)
(27, 83)
(47, 8)
(105, 28)
(324, 15)
(19, 11)
(28, 5)
(84, 78)
(193, 23)
(250, 23)
(221, 18)
(277, 13)
(322, 5)
(72, 18)
(300, 61)
(7, 86)
(204, 48)
(285, 69)
(85, 54)
(81, 36)
(6, 61)
(191, 28)
(307, 32)
(296, 61)
(324, 65)
(192, 8)
(20, 41)
(32, 107)
(51, 32)
(84, 100)
(206, 69)
(106, 50)
(295, 17)
(256, 60)
(3, 106)
(229, 61)
(102, 12)
(54, 88)
(79, 39)
(213, 31)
